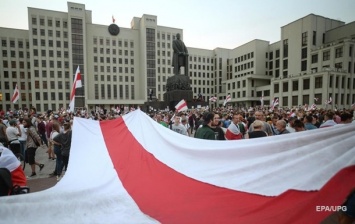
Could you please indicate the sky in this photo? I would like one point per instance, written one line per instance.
(206, 24)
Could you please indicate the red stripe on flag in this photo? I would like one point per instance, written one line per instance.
(171, 197)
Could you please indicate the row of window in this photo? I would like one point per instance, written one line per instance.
(50, 43)
(13, 44)
(114, 51)
(114, 69)
(199, 67)
(114, 78)
(113, 92)
(13, 54)
(50, 53)
(244, 57)
(318, 83)
(50, 33)
(199, 59)
(113, 42)
(114, 60)
(49, 22)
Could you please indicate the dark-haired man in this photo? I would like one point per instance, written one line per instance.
(206, 131)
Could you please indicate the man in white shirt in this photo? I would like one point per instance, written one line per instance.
(178, 127)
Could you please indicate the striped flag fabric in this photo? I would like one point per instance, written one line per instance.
(274, 103)
(228, 98)
(145, 173)
(76, 84)
(213, 99)
(16, 96)
(313, 107)
(181, 106)
(329, 101)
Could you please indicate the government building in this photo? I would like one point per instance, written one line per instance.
(119, 66)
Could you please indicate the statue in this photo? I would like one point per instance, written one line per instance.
(180, 56)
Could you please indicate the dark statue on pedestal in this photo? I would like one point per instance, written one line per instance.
(178, 86)
(180, 56)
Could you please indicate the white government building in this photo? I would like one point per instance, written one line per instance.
(314, 59)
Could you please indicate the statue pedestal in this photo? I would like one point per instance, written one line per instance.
(178, 88)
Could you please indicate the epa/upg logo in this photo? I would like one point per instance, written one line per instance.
(321, 208)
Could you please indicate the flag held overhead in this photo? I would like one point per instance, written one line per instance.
(76, 84)
(181, 106)
(15, 97)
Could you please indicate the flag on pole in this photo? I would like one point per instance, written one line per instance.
(329, 101)
(76, 84)
(181, 106)
(228, 98)
(113, 19)
(262, 101)
(313, 107)
(274, 103)
(213, 99)
(16, 95)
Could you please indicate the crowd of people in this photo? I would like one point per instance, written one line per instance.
(52, 130)
(25, 132)
(238, 124)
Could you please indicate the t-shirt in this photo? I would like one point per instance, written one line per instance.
(12, 133)
(179, 129)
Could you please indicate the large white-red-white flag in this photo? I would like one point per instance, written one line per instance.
(76, 84)
(228, 98)
(181, 106)
(16, 96)
(145, 173)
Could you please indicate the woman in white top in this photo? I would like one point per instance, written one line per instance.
(23, 137)
(57, 151)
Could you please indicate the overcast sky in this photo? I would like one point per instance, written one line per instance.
(206, 24)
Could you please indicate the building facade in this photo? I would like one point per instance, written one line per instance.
(314, 59)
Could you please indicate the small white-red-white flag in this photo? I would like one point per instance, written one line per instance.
(274, 103)
(76, 84)
(262, 101)
(113, 19)
(213, 99)
(228, 98)
(316, 99)
(181, 106)
(313, 107)
(16, 96)
(329, 101)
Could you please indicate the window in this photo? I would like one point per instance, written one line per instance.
(304, 39)
(339, 52)
(294, 100)
(326, 55)
(285, 46)
(304, 65)
(304, 53)
(305, 83)
(276, 88)
(295, 85)
(285, 64)
(305, 99)
(314, 38)
(314, 58)
(285, 87)
(318, 82)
